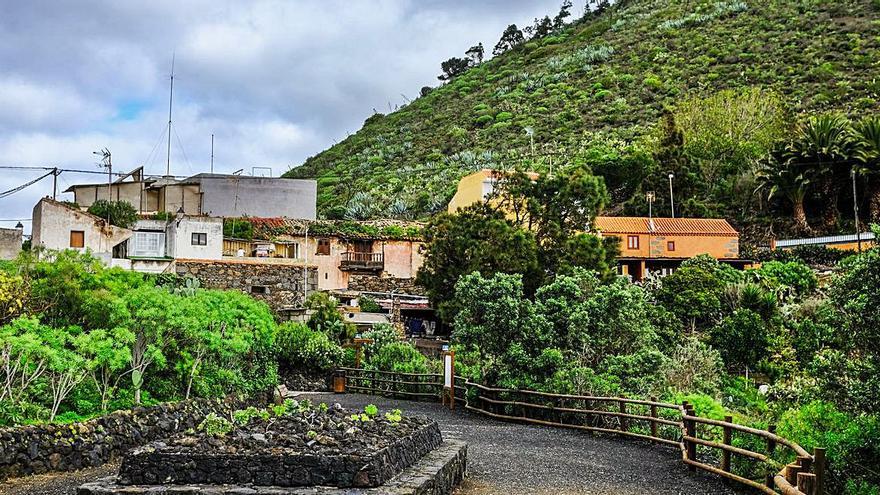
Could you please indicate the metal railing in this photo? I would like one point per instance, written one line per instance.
(659, 422)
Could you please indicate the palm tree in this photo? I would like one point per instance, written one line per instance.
(867, 152)
(782, 177)
(824, 144)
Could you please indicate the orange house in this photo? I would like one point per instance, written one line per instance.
(661, 244)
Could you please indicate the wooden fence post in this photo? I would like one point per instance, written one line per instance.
(725, 454)
(624, 424)
(819, 470)
(654, 415)
(691, 429)
(771, 447)
(806, 483)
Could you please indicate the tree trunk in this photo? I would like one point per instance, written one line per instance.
(830, 213)
(800, 217)
(874, 199)
(137, 396)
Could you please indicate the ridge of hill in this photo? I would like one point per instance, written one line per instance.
(596, 92)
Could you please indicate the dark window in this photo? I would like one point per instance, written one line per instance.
(670, 245)
(323, 247)
(259, 289)
(199, 239)
(632, 242)
(77, 238)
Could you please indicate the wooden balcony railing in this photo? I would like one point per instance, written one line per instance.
(362, 261)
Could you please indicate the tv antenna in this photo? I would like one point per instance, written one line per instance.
(170, 101)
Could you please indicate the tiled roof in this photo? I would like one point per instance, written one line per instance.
(270, 228)
(665, 226)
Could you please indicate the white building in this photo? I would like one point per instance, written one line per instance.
(60, 226)
(151, 246)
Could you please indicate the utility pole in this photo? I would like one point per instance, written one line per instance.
(856, 210)
(671, 199)
(212, 153)
(55, 183)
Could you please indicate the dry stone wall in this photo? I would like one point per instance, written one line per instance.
(37, 449)
(279, 285)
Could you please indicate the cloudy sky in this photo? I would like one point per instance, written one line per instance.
(274, 81)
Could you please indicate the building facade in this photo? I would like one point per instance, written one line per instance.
(218, 195)
(59, 226)
(661, 244)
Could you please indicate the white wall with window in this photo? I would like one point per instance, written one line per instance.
(195, 237)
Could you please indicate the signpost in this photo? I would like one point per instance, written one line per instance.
(448, 377)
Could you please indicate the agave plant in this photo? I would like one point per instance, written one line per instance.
(360, 207)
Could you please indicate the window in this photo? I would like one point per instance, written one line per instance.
(77, 238)
(632, 242)
(199, 239)
(259, 289)
(148, 244)
(323, 247)
(670, 245)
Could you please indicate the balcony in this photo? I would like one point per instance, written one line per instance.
(355, 261)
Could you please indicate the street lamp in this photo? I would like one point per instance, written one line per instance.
(649, 197)
(671, 200)
(856, 210)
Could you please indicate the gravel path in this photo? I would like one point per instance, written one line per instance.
(503, 458)
(508, 458)
(56, 483)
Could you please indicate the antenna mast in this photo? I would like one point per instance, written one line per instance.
(212, 153)
(170, 100)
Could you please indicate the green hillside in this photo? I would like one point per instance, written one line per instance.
(699, 88)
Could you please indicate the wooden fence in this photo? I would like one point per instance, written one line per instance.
(705, 443)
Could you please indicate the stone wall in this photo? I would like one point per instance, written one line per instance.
(37, 449)
(278, 284)
(147, 466)
(372, 283)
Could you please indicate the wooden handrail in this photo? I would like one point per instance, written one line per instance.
(786, 481)
(754, 431)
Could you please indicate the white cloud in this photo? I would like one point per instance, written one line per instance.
(275, 81)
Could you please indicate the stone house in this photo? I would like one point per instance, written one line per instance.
(373, 256)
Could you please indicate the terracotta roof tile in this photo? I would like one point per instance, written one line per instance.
(667, 226)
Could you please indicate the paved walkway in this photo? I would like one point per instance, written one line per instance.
(503, 458)
(508, 458)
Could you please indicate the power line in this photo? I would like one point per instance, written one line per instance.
(14, 190)
(71, 170)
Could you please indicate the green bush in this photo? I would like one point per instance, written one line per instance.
(791, 275)
(303, 349)
(399, 357)
(121, 213)
(852, 443)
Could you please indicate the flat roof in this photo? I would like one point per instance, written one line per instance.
(828, 239)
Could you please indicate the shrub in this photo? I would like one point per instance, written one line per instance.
(792, 274)
(215, 426)
(304, 349)
(852, 443)
(369, 305)
(121, 213)
(399, 357)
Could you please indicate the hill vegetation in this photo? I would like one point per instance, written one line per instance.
(634, 90)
